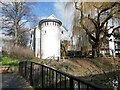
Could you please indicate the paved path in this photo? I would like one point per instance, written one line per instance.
(14, 82)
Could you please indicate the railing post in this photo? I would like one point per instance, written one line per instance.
(20, 68)
(56, 80)
(65, 82)
(25, 68)
(71, 84)
(78, 85)
(42, 78)
(60, 82)
(31, 79)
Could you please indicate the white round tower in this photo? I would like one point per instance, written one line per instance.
(50, 37)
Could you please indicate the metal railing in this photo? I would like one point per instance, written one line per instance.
(43, 76)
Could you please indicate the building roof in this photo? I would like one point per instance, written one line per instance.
(51, 18)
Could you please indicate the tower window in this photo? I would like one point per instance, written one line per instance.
(62, 32)
(53, 23)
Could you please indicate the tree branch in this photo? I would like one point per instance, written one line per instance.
(110, 15)
(105, 9)
(93, 21)
(23, 23)
(89, 34)
(115, 29)
(77, 6)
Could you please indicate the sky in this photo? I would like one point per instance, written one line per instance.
(45, 9)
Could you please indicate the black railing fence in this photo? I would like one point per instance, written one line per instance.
(43, 76)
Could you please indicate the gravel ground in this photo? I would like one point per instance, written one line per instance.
(14, 82)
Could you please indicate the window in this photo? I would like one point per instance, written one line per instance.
(62, 32)
(53, 23)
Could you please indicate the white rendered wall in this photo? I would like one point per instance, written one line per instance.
(37, 42)
(50, 41)
(111, 42)
(112, 45)
(64, 34)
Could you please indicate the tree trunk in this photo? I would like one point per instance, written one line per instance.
(95, 51)
(98, 51)
(16, 37)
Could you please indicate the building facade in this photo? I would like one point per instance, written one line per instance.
(110, 46)
(46, 38)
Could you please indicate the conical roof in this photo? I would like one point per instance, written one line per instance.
(52, 17)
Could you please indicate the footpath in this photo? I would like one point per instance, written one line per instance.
(13, 81)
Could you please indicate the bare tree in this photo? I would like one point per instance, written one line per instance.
(15, 16)
(23, 39)
(95, 21)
